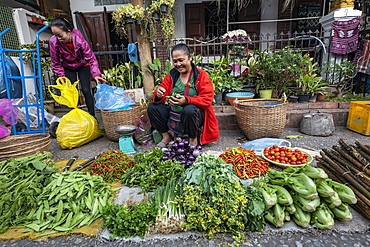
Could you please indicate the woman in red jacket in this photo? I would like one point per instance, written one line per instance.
(193, 102)
(71, 56)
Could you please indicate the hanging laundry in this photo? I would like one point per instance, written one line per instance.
(345, 36)
(364, 60)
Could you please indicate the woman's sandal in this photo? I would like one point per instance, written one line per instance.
(161, 145)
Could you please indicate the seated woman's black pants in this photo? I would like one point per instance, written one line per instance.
(191, 117)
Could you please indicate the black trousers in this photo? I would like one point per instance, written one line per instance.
(83, 74)
(191, 117)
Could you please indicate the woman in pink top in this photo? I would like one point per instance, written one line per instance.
(72, 57)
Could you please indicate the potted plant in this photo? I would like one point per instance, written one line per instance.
(122, 76)
(126, 14)
(310, 83)
(277, 71)
(223, 82)
(166, 5)
(340, 75)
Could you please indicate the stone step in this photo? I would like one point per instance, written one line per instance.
(227, 119)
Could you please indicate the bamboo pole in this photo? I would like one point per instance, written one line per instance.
(359, 175)
(351, 151)
(345, 174)
(363, 147)
(352, 160)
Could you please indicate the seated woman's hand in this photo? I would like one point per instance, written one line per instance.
(178, 101)
(160, 92)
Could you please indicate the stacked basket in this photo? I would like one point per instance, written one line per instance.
(112, 119)
(259, 118)
(17, 146)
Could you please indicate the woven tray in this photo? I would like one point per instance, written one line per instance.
(111, 119)
(257, 121)
(21, 142)
(43, 148)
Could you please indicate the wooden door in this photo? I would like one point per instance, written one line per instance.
(194, 19)
(97, 25)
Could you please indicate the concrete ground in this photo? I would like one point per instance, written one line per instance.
(353, 233)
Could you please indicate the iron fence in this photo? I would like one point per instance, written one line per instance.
(316, 44)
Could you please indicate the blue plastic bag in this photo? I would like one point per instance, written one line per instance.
(259, 144)
(112, 98)
(15, 85)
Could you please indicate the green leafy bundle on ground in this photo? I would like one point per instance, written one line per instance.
(150, 171)
(214, 200)
(129, 220)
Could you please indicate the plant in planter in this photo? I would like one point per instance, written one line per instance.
(124, 15)
(277, 71)
(167, 19)
(219, 73)
(310, 83)
(340, 75)
(122, 76)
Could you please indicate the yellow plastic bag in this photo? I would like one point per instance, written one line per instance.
(77, 127)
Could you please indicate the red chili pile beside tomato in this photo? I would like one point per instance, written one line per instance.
(285, 155)
(245, 162)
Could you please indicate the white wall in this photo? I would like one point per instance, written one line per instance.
(269, 12)
(27, 35)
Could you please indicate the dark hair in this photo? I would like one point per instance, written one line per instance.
(181, 47)
(62, 24)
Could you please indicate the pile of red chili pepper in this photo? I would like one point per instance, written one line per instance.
(245, 162)
(111, 165)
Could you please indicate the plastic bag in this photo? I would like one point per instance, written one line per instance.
(112, 98)
(68, 92)
(259, 144)
(77, 127)
(34, 113)
(8, 111)
(15, 85)
(143, 131)
(4, 131)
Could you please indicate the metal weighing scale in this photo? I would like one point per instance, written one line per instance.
(126, 143)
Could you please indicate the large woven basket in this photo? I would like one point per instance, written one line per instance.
(111, 119)
(258, 121)
(17, 146)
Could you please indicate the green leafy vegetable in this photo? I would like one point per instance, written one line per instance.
(150, 171)
(129, 220)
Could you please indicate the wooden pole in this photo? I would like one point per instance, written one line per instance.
(144, 54)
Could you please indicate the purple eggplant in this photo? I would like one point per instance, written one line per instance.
(165, 157)
(180, 151)
(178, 139)
(186, 143)
(199, 147)
(175, 146)
(196, 152)
(191, 158)
(181, 145)
(191, 147)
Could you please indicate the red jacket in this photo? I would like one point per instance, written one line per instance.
(203, 101)
(62, 57)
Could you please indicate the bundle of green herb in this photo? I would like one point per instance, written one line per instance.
(150, 171)
(214, 200)
(129, 220)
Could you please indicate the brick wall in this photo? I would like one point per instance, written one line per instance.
(339, 110)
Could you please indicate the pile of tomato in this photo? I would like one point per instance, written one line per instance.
(285, 155)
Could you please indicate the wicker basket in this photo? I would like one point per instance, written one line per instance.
(45, 147)
(111, 119)
(257, 121)
(23, 142)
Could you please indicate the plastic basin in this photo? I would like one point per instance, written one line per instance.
(239, 95)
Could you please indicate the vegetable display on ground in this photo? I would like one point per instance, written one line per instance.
(285, 155)
(214, 199)
(182, 151)
(246, 163)
(110, 165)
(150, 171)
(129, 220)
(21, 182)
(306, 195)
(349, 164)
